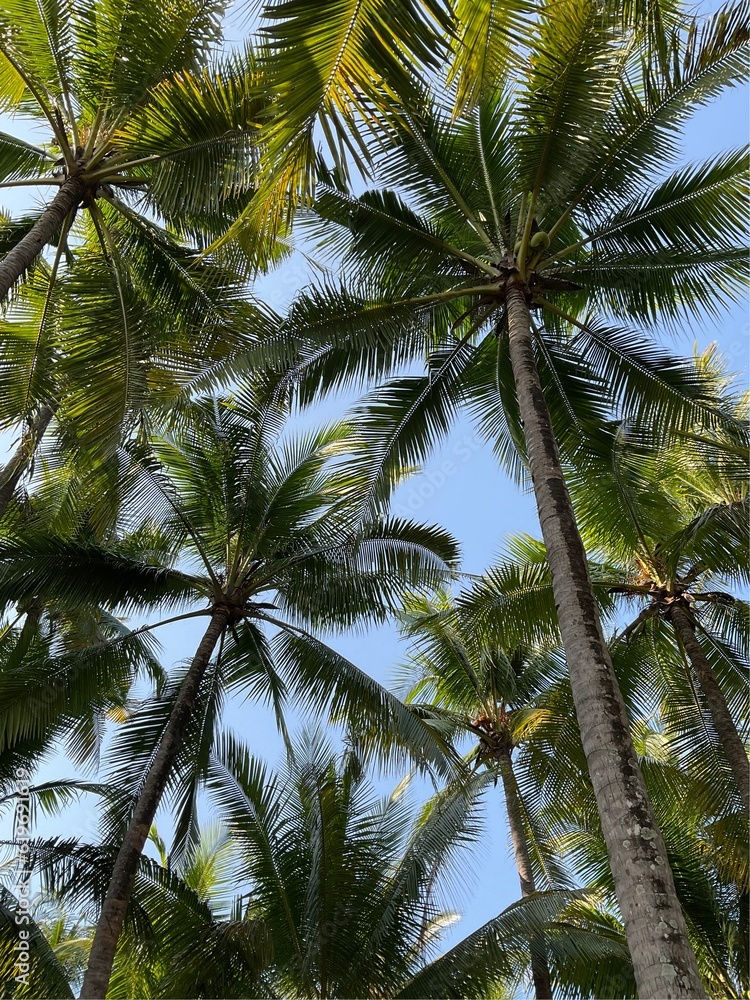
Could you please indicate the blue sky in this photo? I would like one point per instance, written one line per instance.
(462, 489)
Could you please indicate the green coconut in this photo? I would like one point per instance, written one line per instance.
(539, 240)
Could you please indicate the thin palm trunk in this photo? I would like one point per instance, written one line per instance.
(18, 463)
(662, 956)
(18, 260)
(721, 717)
(119, 891)
(539, 966)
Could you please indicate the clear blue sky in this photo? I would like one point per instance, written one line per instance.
(481, 507)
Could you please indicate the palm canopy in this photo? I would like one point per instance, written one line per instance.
(316, 885)
(497, 695)
(228, 511)
(427, 257)
(142, 115)
(102, 344)
(151, 152)
(460, 670)
(673, 522)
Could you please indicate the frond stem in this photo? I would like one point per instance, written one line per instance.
(526, 236)
(55, 181)
(94, 133)
(59, 133)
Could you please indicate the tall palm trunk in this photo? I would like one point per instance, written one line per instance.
(662, 956)
(683, 624)
(18, 462)
(109, 926)
(18, 260)
(539, 967)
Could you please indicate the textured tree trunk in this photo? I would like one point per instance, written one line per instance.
(663, 958)
(539, 967)
(109, 926)
(17, 464)
(17, 261)
(683, 624)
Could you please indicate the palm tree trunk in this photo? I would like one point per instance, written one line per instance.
(109, 926)
(18, 260)
(18, 462)
(663, 958)
(722, 720)
(539, 967)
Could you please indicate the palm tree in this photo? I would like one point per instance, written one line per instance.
(150, 155)
(275, 532)
(536, 206)
(673, 530)
(138, 117)
(490, 694)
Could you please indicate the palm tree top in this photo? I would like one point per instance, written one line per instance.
(137, 101)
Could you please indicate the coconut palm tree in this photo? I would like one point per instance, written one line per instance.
(505, 229)
(141, 116)
(673, 529)
(271, 529)
(654, 670)
(489, 694)
(150, 155)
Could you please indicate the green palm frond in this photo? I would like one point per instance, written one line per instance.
(574, 70)
(326, 681)
(698, 61)
(193, 129)
(46, 975)
(39, 565)
(679, 216)
(585, 948)
(19, 159)
(124, 51)
(330, 68)
(490, 35)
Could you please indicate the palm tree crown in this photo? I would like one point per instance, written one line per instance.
(133, 108)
